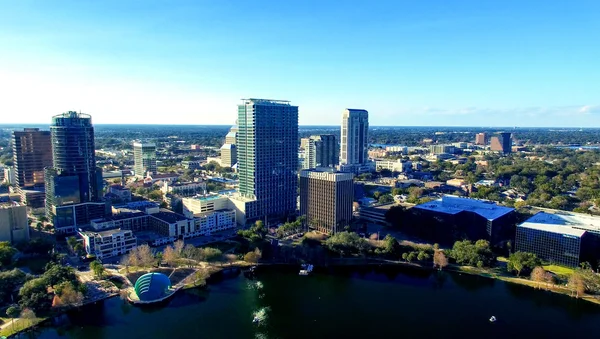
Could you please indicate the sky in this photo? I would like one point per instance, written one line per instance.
(409, 63)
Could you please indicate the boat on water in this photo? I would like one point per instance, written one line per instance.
(493, 319)
(306, 269)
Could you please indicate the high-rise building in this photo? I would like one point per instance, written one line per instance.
(14, 226)
(321, 151)
(144, 158)
(229, 148)
(480, 139)
(73, 183)
(354, 132)
(326, 199)
(32, 152)
(501, 143)
(267, 152)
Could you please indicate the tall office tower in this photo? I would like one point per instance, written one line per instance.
(267, 155)
(14, 225)
(480, 139)
(501, 143)
(321, 151)
(144, 158)
(32, 152)
(229, 148)
(326, 199)
(73, 180)
(354, 132)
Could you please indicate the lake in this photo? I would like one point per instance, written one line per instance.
(352, 303)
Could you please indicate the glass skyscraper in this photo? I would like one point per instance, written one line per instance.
(144, 158)
(355, 137)
(74, 178)
(267, 157)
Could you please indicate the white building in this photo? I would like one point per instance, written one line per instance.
(204, 204)
(397, 149)
(393, 165)
(14, 226)
(215, 221)
(109, 243)
(186, 189)
(10, 176)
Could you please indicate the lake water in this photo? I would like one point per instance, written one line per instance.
(342, 303)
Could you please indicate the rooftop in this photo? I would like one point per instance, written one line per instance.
(104, 233)
(207, 197)
(10, 204)
(451, 204)
(563, 222)
(168, 216)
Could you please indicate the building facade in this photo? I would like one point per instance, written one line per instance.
(14, 225)
(32, 152)
(354, 137)
(326, 199)
(74, 178)
(454, 218)
(501, 143)
(561, 237)
(480, 139)
(109, 243)
(268, 158)
(144, 158)
(321, 151)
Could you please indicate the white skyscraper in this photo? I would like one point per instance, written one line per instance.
(355, 131)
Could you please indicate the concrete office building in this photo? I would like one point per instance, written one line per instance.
(560, 237)
(73, 183)
(480, 139)
(321, 151)
(442, 149)
(14, 225)
(326, 199)
(267, 146)
(355, 137)
(229, 149)
(144, 158)
(32, 152)
(501, 143)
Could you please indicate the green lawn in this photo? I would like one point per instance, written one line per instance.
(559, 270)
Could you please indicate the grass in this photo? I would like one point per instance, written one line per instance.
(222, 246)
(19, 326)
(559, 270)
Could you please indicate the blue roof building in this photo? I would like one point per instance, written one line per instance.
(454, 218)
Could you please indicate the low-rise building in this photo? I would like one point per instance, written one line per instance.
(375, 214)
(454, 218)
(120, 193)
(191, 164)
(108, 243)
(186, 189)
(215, 221)
(204, 204)
(560, 237)
(393, 165)
(14, 226)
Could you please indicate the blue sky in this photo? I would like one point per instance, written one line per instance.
(454, 63)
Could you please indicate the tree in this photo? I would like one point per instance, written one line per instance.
(7, 252)
(72, 241)
(13, 312)
(385, 199)
(212, 255)
(519, 261)
(97, 268)
(405, 256)
(410, 257)
(66, 295)
(576, 284)
(200, 277)
(141, 256)
(467, 253)
(346, 242)
(178, 248)
(27, 315)
(538, 275)
(439, 259)
(253, 256)
(169, 255)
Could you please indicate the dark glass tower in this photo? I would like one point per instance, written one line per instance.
(73, 184)
(73, 154)
(267, 145)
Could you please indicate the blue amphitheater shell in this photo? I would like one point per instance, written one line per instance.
(152, 286)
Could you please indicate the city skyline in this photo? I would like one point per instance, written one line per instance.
(410, 64)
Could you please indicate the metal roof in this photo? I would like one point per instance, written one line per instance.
(451, 204)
